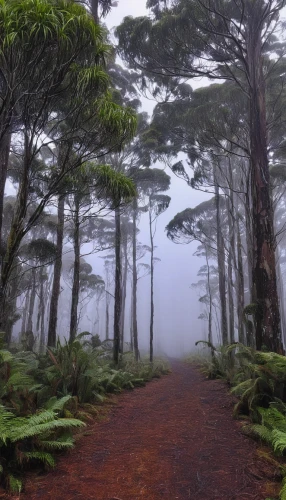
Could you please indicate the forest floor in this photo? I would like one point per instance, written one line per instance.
(173, 439)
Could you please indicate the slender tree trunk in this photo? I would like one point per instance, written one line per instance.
(240, 286)
(106, 316)
(210, 334)
(230, 270)
(94, 10)
(281, 299)
(76, 269)
(32, 302)
(249, 239)
(267, 317)
(152, 287)
(4, 158)
(41, 311)
(221, 267)
(53, 313)
(124, 289)
(41, 299)
(25, 311)
(17, 226)
(131, 321)
(117, 293)
(12, 306)
(134, 280)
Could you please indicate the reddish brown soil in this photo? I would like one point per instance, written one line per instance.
(173, 439)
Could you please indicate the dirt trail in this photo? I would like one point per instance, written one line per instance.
(173, 439)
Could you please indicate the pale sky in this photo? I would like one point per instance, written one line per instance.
(176, 304)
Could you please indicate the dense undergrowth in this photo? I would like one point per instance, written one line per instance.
(44, 398)
(259, 381)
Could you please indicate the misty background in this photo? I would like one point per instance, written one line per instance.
(176, 323)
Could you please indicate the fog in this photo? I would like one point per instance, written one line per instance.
(176, 323)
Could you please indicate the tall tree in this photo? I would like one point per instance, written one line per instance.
(152, 182)
(230, 40)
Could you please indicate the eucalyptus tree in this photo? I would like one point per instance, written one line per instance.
(208, 285)
(88, 125)
(234, 41)
(42, 45)
(37, 253)
(55, 292)
(152, 182)
(200, 224)
(91, 287)
(93, 188)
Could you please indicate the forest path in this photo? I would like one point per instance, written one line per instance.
(173, 439)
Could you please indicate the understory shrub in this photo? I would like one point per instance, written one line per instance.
(258, 379)
(43, 398)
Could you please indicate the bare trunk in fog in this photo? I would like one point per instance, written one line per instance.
(53, 313)
(25, 311)
(240, 286)
(210, 318)
(117, 293)
(76, 269)
(152, 287)
(230, 259)
(41, 310)
(134, 280)
(32, 302)
(131, 321)
(281, 299)
(4, 158)
(221, 268)
(106, 316)
(124, 289)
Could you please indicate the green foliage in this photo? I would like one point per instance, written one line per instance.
(259, 380)
(24, 440)
(40, 395)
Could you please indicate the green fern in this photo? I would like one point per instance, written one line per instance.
(282, 495)
(41, 456)
(33, 438)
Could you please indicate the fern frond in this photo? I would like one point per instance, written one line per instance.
(47, 427)
(279, 440)
(62, 442)
(282, 494)
(262, 432)
(14, 484)
(41, 456)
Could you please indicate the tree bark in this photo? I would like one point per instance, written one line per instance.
(124, 289)
(4, 159)
(210, 335)
(106, 316)
(53, 313)
(267, 317)
(25, 311)
(240, 286)
(17, 226)
(41, 311)
(230, 259)
(76, 269)
(94, 10)
(32, 302)
(117, 293)
(221, 267)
